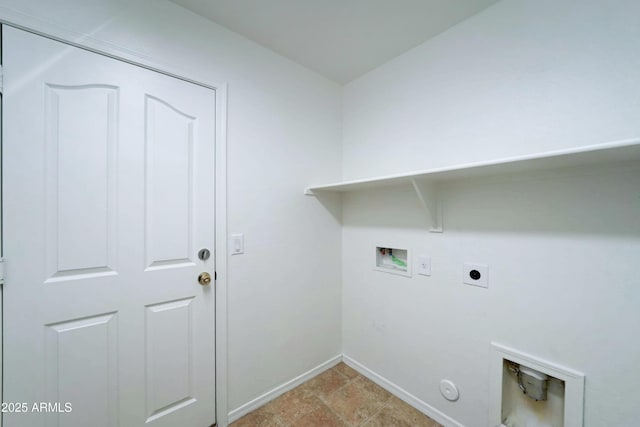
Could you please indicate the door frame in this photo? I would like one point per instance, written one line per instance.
(89, 42)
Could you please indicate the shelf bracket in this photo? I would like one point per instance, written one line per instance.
(427, 193)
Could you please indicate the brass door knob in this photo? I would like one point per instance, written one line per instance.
(204, 279)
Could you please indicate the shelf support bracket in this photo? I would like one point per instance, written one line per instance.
(427, 193)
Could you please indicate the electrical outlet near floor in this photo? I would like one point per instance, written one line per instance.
(475, 274)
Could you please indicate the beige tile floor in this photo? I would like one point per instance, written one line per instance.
(339, 397)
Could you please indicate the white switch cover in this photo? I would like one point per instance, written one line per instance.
(237, 244)
(424, 265)
(475, 274)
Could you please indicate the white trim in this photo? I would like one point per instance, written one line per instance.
(9, 16)
(283, 388)
(573, 392)
(1, 349)
(402, 394)
(1, 254)
(220, 256)
(36, 25)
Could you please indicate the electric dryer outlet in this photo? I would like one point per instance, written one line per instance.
(475, 274)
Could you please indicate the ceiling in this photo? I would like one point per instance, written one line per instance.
(340, 39)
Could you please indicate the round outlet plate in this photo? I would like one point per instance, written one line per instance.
(449, 390)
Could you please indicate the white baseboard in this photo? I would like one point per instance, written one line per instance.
(392, 388)
(281, 389)
(402, 394)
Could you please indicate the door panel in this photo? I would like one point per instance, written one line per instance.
(84, 348)
(169, 354)
(170, 166)
(108, 196)
(80, 140)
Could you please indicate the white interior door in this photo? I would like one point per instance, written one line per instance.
(108, 197)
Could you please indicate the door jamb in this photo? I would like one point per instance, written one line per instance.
(88, 42)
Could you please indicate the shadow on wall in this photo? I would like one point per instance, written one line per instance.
(593, 200)
(332, 202)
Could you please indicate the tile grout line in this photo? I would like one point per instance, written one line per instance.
(350, 381)
(322, 399)
(325, 403)
(318, 396)
(379, 411)
(359, 381)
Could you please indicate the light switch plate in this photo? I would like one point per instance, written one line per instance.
(424, 265)
(475, 274)
(237, 244)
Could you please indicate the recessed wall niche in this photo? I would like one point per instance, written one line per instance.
(393, 260)
(526, 390)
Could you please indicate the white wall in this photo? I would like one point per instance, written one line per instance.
(521, 77)
(283, 132)
(524, 76)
